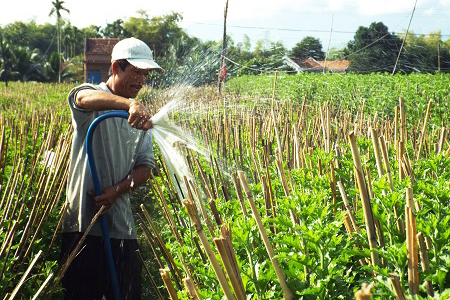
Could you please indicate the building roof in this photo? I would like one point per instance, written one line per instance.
(312, 64)
(100, 46)
(335, 65)
(307, 63)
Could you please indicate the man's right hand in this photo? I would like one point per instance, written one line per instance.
(139, 116)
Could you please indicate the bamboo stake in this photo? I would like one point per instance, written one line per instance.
(236, 282)
(190, 288)
(215, 212)
(367, 207)
(282, 175)
(8, 245)
(162, 244)
(347, 206)
(441, 141)
(209, 223)
(76, 250)
(47, 280)
(364, 292)
(275, 125)
(385, 156)
(155, 286)
(269, 183)
(401, 151)
(199, 249)
(168, 283)
(422, 136)
(8, 237)
(193, 213)
(225, 192)
(276, 265)
(386, 161)
(25, 275)
(332, 179)
(425, 262)
(237, 185)
(377, 150)
(204, 181)
(399, 294)
(168, 214)
(150, 241)
(411, 239)
(403, 135)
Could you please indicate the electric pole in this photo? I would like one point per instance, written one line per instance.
(223, 69)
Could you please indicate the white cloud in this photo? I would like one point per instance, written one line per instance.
(371, 8)
(430, 11)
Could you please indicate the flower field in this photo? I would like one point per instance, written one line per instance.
(316, 186)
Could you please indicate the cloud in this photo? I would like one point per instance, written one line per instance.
(371, 8)
(430, 11)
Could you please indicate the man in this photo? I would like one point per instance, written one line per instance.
(123, 155)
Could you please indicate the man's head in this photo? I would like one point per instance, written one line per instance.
(131, 62)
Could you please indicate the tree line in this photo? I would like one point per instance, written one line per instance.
(54, 52)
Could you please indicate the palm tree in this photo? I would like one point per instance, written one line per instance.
(26, 63)
(57, 8)
(6, 70)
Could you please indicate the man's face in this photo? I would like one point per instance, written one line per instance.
(129, 82)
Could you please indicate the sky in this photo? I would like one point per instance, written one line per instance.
(334, 22)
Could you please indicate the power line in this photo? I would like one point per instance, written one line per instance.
(291, 29)
(406, 35)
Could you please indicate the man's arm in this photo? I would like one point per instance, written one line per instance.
(138, 176)
(98, 100)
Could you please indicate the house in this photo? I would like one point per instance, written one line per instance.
(97, 59)
(315, 66)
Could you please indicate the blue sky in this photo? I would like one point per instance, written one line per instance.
(288, 21)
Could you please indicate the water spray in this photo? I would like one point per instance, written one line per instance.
(166, 135)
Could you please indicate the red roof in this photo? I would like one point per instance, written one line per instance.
(335, 65)
(99, 46)
(311, 64)
(306, 63)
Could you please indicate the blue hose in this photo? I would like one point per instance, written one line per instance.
(99, 191)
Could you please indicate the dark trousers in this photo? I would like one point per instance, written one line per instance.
(87, 277)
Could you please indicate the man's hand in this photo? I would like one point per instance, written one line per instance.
(108, 198)
(138, 176)
(139, 116)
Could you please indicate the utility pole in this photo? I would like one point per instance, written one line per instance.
(223, 69)
(329, 42)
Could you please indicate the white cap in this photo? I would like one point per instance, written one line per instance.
(136, 52)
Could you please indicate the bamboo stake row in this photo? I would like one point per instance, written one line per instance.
(38, 152)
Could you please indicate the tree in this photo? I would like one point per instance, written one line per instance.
(25, 63)
(56, 9)
(336, 54)
(92, 31)
(424, 53)
(157, 32)
(308, 47)
(52, 71)
(115, 29)
(6, 72)
(373, 49)
(18, 62)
